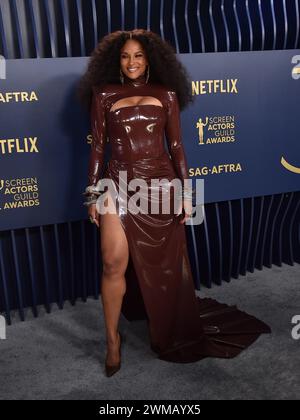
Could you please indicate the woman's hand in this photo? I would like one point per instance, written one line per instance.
(93, 214)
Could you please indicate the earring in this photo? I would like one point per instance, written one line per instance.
(121, 77)
(147, 77)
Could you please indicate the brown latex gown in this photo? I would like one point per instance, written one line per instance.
(159, 283)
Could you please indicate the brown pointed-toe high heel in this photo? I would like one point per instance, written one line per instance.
(112, 369)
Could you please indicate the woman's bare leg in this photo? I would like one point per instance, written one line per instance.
(115, 255)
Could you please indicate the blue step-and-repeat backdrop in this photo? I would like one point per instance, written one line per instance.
(241, 135)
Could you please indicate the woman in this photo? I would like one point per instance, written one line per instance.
(136, 87)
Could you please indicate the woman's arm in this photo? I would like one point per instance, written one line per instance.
(174, 137)
(96, 160)
(176, 149)
(98, 129)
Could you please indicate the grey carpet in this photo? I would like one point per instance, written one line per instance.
(61, 355)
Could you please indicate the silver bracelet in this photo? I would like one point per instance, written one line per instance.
(88, 203)
(90, 199)
(91, 189)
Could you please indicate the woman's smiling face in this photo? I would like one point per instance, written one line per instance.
(133, 59)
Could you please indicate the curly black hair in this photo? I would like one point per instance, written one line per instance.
(104, 65)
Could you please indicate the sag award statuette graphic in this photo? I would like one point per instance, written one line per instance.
(200, 126)
(219, 129)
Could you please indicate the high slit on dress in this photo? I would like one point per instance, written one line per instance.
(159, 282)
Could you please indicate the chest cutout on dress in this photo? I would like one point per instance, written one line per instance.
(132, 101)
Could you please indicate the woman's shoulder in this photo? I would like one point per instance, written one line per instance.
(165, 93)
(106, 91)
(106, 87)
(168, 94)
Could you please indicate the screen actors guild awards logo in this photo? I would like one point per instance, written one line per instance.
(216, 129)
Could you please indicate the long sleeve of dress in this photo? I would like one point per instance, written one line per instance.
(98, 130)
(174, 137)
